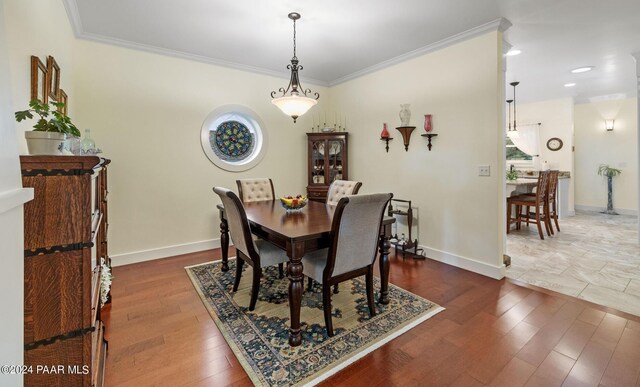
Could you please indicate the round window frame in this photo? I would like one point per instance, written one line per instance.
(255, 124)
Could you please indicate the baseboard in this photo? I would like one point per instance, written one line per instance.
(497, 272)
(621, 211)
(163, 252)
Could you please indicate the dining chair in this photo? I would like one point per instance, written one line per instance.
(353, 245)
(340, 188)
(256, 190)
(538, 202)
(552, 190)
(257, 253)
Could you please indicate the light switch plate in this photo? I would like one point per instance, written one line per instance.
(484, 170)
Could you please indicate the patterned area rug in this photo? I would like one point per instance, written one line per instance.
(260, 339)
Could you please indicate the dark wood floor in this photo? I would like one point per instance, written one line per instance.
(492, 333)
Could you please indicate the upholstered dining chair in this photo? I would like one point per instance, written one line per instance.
(255, 190)
(353, 246)
(257, 253)
(340, 188)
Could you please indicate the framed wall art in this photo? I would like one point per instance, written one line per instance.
(53, 78)
(65, 100)
(38, 80)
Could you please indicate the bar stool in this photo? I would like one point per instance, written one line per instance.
(538, 201)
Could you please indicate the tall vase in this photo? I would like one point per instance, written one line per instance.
(385, 132)
(405, 114)
(428, 126)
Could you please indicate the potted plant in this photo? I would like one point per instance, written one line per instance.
(51, 128)
(605, 170)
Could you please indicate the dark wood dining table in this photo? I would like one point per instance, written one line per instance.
(298, 233)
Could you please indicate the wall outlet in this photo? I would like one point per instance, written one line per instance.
(484, 170)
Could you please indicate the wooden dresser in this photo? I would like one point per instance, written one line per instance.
(327, 161)
(65, 241)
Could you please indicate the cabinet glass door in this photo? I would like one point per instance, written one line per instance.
(317, 162)
(334, 157)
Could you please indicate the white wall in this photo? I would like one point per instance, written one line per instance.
(146, 111)
(462, 86)
(12, 196)
(40, 28)
(556, 117)
(595, 146)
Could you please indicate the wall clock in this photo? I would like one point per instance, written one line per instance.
(554, 144)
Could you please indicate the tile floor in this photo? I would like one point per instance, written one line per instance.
(595, 257)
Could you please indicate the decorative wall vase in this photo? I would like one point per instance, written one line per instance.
(428, 126)
(405, 114)
(385, 132)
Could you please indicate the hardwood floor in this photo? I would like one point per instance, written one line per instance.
(496, 333)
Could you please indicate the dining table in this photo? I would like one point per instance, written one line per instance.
(298, 233)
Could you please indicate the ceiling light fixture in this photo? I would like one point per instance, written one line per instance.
(582, 69)
(569, 84)
(608, 124)
(514, 52)
(294, 101)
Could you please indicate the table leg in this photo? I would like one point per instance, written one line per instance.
(224, 243)
(295, 292)
(384, 265)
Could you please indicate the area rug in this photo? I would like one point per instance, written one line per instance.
(260, 339)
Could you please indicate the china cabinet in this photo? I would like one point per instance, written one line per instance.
(327, 161)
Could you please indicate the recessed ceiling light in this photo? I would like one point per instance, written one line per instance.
(514, 52)
(582, 69)
(569, 84)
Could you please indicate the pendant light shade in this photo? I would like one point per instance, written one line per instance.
(294, 100)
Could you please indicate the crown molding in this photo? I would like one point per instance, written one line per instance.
(73, 14)
(500, 25)
(80, 33)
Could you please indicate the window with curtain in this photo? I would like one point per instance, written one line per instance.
(514, 153)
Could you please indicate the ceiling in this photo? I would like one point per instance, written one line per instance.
(338, 40)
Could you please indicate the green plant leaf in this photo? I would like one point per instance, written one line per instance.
(23, 115)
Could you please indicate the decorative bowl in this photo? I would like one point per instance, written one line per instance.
(294, 202)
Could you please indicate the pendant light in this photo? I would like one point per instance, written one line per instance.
(294, 101)
(512, 130)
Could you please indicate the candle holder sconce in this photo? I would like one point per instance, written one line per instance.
(386, 140)
(430, 136)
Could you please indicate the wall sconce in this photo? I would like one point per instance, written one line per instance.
(385, 136)
(608, 124)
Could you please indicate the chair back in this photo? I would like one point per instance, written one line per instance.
(340, 188)
(543, 186)
(553, 185)
(255, 190)
(355, 231)
(237, 221)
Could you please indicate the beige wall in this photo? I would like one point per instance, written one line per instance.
(595, 146)
(556, 117)
(462, 86)
(40, 28)
(146, 111)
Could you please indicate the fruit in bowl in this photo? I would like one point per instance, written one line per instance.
(294, 202)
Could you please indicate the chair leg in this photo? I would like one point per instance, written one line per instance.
(255, 287)
(369, 285)
(239, 264)
(326, 302)
(281, 270)
(555, 216)
(335, 289)
(538, 224)
(310, 284)
(508, 216)
(547, 218)
(526, 211)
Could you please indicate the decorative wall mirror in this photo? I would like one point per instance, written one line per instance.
(233, 138)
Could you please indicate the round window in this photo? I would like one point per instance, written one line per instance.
(232, 138)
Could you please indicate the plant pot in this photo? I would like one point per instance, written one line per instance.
(44, 143)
